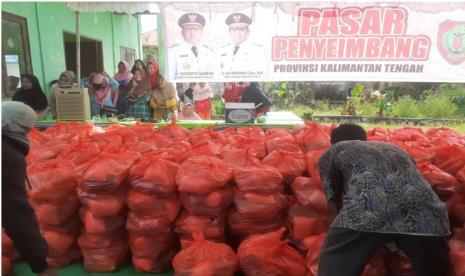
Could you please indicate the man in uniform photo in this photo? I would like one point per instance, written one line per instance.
(242, 55)
(189, 58)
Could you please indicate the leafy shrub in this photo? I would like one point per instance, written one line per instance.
(437, 106)
(218, 105)
(457, 96)
(397, 92)
(405, 107)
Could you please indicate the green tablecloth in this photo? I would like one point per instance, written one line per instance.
(77, 269)
(273, 119)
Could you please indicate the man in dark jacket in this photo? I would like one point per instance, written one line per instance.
(376, 195)
(18, 217)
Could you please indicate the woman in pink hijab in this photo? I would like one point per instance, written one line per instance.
(124, 75)
(101, 94)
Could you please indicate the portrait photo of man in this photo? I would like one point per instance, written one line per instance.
(241, 54)
(190, 57)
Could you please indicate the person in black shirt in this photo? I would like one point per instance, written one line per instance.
(188, 95)
(253, 94)
(18, 217)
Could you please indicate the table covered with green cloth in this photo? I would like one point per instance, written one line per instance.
(273, 119)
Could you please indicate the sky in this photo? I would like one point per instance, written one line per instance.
(149, 22)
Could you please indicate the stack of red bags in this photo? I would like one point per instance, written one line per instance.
(153, 207)
(102, 191)
(53, 196)
(259, 201)
(308, 215)
(205, 193)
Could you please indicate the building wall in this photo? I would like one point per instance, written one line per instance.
(46, 23)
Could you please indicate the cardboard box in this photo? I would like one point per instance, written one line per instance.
(240, 113)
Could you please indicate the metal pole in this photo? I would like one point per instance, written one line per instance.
(78, 50)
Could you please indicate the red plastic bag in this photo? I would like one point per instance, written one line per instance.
(47, 151)
(313, 243)
(6, 265)
(313, 157)
(80, 152)
(175, 132)
(178, 151)
(461, 175)
(58, 243)
(255, 145)
(309, 193)
(154, 265)
(103, 205)
(7, 244)
(212, 228)
(252, 132)
(152, 247)
(450, 158)
(154, 205)
(207, 148)
(243, 227)
(260, 179)
(257, 205)
(158, 140)
(375, 266)
(107, 171)
(202, 175)
(212, 204)
(147, 225)
(105, 259)
(443, 183)
(153, 173)
(314, 137)
(290, 164)
(266, 254)
(101, 225)
(240, 158)
(456, 206)
(55, 213)
(201, 134)
(457, 252)
(52, 180)
(277, 139)
(140, 147)
(304, 222)
(64, 260)
(398, 264)
(103, 240)
(203, 257)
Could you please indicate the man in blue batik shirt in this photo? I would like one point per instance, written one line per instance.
(376, 195)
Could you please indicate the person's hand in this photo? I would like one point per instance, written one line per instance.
(48, 272)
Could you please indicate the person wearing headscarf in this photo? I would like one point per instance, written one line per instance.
(188, 113)
(101, 93)
(123, 76)
(18, 217)
(164, 100)
(202, 100)
(31, 94)
(152, 73)
(233, 92)
(253, 94)
(138, 64)
(66, 78)
(137, 97)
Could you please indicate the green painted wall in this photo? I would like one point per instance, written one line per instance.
(48, 20)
